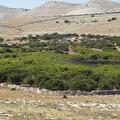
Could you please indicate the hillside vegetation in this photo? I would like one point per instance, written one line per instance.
(62, 62)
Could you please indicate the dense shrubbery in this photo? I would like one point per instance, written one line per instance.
(101, 42)
(49, 42)
(51, 71)
(40, 63)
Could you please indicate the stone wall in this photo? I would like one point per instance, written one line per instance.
(60, 93)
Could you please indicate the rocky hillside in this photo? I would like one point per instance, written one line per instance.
(97, 6)
(55, 8)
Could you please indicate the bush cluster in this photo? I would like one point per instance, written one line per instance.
(43, 62)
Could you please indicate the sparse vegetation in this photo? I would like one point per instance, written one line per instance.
(95, 21)
(112, 19)
(57, 21)
(92, 15)
(67, 21)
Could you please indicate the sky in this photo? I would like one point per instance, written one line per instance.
(33, 3)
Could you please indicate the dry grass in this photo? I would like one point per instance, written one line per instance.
(79, 24)
(18, 105)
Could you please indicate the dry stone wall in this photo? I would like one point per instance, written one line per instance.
(60, 93)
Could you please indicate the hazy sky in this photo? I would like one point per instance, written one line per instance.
(33, 3)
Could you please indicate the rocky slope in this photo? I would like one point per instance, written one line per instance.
(55, 8)
(97, 6)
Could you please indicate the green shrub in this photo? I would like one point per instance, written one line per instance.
(83, 85)
(55, 85)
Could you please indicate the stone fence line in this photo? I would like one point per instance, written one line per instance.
(60, 93)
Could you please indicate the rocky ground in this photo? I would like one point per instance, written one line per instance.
(20, 105)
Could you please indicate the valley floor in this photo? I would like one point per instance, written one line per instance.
(20, 105)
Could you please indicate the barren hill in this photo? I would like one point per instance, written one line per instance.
(51, 16)
(97, 6)
(6, 12)
(55, 8)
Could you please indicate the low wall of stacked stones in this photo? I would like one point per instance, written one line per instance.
(60, 93)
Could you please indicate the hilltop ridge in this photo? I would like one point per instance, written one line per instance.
(6, 12)
(55, 8)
